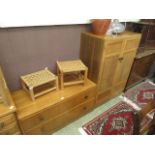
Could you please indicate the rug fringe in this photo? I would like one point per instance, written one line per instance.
(82, 131)
(130, 103)
(150, 114)
(151, 82)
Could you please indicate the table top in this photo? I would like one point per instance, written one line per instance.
(38, 78)
(71, 66)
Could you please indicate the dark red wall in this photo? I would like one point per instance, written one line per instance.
(29, 49)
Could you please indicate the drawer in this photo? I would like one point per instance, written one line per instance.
(6, 120)
(113, 47)
(57, 109)
(10, 130)
(132, 44)
(60, 121)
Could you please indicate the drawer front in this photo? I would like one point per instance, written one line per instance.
(10, 130)
(57, 109)
(113, 47)
(132, 44)
(58, 122)
(6, 121)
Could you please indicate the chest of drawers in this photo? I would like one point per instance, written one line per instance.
(9, 125)
(54, 110)
(8, 121)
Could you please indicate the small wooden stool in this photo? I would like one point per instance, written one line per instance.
(71, 72)
(39, 83)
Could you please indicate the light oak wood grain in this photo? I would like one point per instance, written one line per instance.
(109, 60)
(46, 111)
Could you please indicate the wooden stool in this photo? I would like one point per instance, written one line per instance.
(39, 83)
(71, 72)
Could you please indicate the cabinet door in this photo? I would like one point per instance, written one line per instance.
(107, 73)
(123, 69)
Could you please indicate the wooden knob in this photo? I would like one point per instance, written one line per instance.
(84, 108)
(86, 97)
(120, 59)
(41, 118)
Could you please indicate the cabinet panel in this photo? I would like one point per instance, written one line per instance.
(91, 53)
(112, 47)
(131, 44)
(108, 72)
(123, 69)
(87, 49)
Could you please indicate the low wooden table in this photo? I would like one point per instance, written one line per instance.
(39, 83)
(54, 110)
(71, 72)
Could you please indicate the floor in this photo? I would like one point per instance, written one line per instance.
(73, 128)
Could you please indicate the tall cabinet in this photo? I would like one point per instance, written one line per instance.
(109, 59)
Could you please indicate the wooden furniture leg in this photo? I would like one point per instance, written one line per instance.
(32, 93)
(85, 75)
(62, 80)
(56, 82)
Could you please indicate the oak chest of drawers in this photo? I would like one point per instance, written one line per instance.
(52, 111)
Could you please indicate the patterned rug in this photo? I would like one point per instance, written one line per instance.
(118, 120)
(140, 95)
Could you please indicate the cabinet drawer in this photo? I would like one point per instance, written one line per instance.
(10, 130)
(113, 47)
(58, 122)
(132, 44)
(6, 120)
(57, 109)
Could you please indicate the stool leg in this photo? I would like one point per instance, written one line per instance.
(62, 80)
(85, 75)
(32, 94)
(23, 86)
(56, 82)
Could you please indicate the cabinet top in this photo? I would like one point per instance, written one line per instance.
(126, 34)
(26, 107)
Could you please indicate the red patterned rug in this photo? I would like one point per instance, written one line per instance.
(118, 120)
(140, 95)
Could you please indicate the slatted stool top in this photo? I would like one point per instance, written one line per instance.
(38, 78)
(71, 66)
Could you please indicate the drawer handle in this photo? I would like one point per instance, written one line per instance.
(1, 125)
(84, 108)
(41, 118)
(86, 97)
(120, 59)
